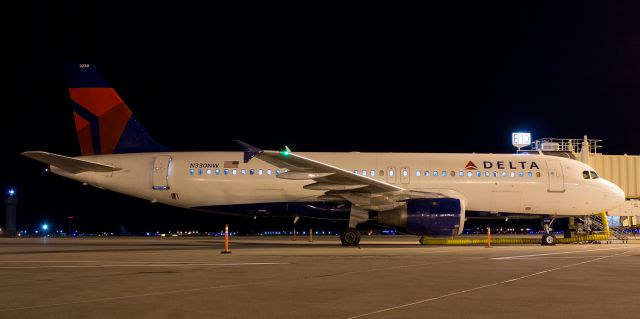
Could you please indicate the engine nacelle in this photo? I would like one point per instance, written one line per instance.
(427, 216)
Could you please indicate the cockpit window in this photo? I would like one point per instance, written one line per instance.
(585, 174)
(594, 175)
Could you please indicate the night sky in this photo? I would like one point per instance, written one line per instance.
(438, 76)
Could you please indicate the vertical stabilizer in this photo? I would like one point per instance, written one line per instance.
(104, 123)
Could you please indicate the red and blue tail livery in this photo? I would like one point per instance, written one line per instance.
(104, 123)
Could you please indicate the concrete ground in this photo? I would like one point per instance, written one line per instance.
(387, 277)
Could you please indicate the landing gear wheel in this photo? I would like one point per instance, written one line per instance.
(548, 240)
(350, 237)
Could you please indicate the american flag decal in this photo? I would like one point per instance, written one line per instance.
(231, 164)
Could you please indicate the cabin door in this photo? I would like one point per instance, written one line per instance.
(556, 178)
(161, 172)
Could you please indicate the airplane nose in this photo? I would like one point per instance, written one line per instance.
(614, 196)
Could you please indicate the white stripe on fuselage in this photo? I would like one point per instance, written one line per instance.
(500, 191)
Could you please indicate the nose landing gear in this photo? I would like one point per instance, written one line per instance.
(548, 239)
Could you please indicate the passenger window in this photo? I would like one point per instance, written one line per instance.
(405, 173)
(417, 173)
(251, 172)
(234, 172)
(594, 175)
(260, 172)
(461, 173)
(504, 174)
(364, 173)
(469, 174)
(529, 174)
(495, 174)
(444, 173)
(269, 172)
(585, 175)
(191, 172)
(226, 172)
(453, 174)
(355, 171)
(435, 173)
(521, 174)
(486, 173)
(426, 173)
(479, 173)
(217, 172)
(243, 171)
(512, 174)
(199, 172)
(373, 173)
(391, 173)
(537, 174)
(381, 173)
(277, 172)
(208, 172)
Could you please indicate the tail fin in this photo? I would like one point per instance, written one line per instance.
(104, 123)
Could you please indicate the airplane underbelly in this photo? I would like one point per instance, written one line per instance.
(507, 201)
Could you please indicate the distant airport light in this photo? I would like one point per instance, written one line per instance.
(11, 192)
(520, 139)
(45, 226)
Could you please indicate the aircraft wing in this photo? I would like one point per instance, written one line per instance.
(69, 164)
(326, 177)
(338, 183)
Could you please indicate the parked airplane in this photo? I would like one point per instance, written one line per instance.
(424, 194)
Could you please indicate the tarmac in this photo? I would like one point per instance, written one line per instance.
(264, 277)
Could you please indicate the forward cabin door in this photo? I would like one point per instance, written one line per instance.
(556, 178)
(161, 172)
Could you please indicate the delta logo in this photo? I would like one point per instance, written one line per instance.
(503, 165)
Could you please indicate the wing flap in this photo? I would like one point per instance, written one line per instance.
(296, 175)
(332, 186)
(69, 164)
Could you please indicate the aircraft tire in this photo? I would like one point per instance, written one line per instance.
(548, 240)
(350, 237)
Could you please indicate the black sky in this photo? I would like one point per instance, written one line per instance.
(447, 76)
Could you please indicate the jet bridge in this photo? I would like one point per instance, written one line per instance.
(622, 170)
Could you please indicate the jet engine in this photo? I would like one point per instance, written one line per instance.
(427, 216)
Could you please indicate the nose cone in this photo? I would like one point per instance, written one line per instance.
(614, 196)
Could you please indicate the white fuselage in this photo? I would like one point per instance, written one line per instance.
(530, 184)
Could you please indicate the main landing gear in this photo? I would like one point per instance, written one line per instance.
(350, 237)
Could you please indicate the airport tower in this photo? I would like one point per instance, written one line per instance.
(11, 202)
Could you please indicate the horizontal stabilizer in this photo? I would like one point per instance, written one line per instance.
(69, 164)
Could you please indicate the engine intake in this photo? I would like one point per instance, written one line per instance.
(432, 216)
